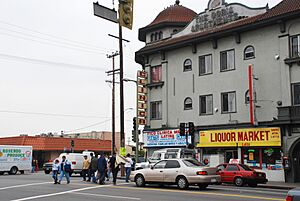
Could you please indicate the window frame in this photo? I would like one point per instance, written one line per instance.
(211, 60)
(252, 57)
(291, 45)
(164, 161)
(159, 116)
(232, 165)
(212, 105)
(235, 108)
(169, 161)
(185, 69)
(151, 75)
(160, 35)
(226, 51)
(293, 93)
(185, 105)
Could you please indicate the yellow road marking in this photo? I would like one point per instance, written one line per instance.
(201, 193)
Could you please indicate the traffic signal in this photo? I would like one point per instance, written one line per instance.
(191, 128)
(126, 13)
(72, 143)
(133, 136)
(134, 123)
(182, 129)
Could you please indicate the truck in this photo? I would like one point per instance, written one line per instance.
(14, 159)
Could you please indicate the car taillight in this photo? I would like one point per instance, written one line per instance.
(73, 162)
(201, 173)
(289, 198)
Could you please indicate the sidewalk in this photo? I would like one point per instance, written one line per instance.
(279, 185)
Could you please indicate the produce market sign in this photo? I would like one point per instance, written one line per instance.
(250, 137)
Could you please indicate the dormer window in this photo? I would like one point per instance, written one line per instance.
(160, 36)
(156, 36)
(152, 37)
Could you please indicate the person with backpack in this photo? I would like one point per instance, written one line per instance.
(65, 169)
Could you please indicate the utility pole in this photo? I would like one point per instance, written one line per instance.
(113, 142)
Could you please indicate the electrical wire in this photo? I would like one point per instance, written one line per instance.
(92, 125)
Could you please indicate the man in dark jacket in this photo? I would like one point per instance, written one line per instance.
(93, 168)
(113, 167)
(102, 166)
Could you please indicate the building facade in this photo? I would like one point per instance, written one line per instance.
(234, 72)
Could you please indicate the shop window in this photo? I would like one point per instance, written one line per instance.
(232, 168)
(228, 102)
(296, 93)
(156, 74)
(295, 46)
(251, 157)
(188, 104)
(187, 65)
(227, 60)
(156, 110)
(206, 105)
(205, 64)
(272, 159)
(249, 52)
(172, 164)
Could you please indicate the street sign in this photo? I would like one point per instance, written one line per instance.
(106, 13)
(123, 151)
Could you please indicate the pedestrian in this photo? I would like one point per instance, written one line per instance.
(55, 169)
(128, 165)
(102, 166)
(108, 168)
(85, 167)
(65, 169)
(93, 168)
(33, 166)
(114, 167)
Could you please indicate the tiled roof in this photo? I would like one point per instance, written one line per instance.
(57, 143)
(286, 7)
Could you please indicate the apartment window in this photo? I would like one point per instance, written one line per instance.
(249, 52)
(152, 37)
(227, 60)
(205, 64)
(160, 36)
(156, 74)
(295, 46)
(156, 110)
(296, 93)
(188, 104)
(206, 105)
(228, 102)
(187, 65)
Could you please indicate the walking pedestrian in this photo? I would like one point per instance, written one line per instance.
(55, 169)
(114, 167)
(102, 166)
(108, 169)
(33, 166)
(93, 168)
(65, 169)
(128, 165)
(85, 167)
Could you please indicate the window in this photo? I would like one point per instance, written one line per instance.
(152, 37)
(247, 97)
(156, 74)
(160, 36)
(155, 110)
(249, 52)
(192, 163)
(156, 36)
(296, 93)
(172, 164)
(227, 60)
(232, 168)
(206, 104)
(188, 104)
(228, 102)
(160, 165)
(221, 167)
(205, 64)
(295, 46)
(187, 65)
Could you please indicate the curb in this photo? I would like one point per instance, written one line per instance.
(277, 187)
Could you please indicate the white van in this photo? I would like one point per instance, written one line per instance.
(15, 158)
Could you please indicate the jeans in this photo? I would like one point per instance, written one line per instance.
(92, 175)
(128, 171)
(66, 174)
(54, 175)
(33, 169)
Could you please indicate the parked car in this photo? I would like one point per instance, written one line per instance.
(182, 172)
(240, 174)
(293, 195)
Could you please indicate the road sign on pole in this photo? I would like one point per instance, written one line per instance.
(106, 13)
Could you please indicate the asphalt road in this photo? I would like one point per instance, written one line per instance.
(40, 187)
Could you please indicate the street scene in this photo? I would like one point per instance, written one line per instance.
(168, 100)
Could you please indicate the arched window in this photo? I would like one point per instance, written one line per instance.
(187, 65)
(152, 37)
(188, 104)
(156, 36)
(160, 35)
(249, 52)
(247, 97)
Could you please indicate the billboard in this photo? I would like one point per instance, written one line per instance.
(248, 137)
(164, 138)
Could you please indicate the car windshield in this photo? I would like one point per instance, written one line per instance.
(155, 156)
(245, 167)
(192, 163)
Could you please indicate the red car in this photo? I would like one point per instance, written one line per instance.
(240, 174)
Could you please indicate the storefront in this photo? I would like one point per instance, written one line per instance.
(260, 148)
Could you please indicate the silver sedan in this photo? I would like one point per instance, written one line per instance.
(183, 172)
(293, 195)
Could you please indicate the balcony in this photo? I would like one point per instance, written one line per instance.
(289, 113)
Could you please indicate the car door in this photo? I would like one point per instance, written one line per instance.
(155, 173)
(230, 172)
(171, 171)
(221, 171)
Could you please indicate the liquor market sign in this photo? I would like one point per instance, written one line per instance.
(250, 137)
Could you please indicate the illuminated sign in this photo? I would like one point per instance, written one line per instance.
(250, 137)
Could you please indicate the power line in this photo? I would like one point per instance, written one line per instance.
(39, 61)
(92, 125)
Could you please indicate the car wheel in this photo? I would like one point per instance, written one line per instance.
(182, 183)
(238, 181)
(139, 181)
(203, 186)
(252, 184)
(47, 172)
(13, 170)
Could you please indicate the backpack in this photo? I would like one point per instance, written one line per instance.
(68, 167)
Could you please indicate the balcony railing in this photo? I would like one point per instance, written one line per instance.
(290, 113)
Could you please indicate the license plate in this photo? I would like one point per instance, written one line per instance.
(213, 180)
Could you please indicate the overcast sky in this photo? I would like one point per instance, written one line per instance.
(53, 63)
